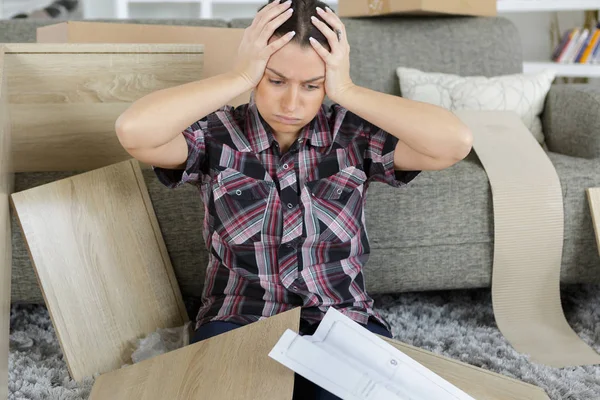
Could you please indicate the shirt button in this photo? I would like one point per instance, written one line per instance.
(290, 205)
(300, 140)
(285, 166)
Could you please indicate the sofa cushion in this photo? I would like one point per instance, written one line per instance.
(457, 45)
(524, 94)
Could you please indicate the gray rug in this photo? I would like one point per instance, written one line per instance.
(457, 324)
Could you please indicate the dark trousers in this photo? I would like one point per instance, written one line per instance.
(303, 388)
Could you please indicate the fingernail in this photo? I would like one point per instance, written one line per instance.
(313, 17)
(292, 33)
(288, 2)
(319, 9)
(290, 10)
(329, 9)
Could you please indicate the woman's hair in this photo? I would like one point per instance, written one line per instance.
(301, 23)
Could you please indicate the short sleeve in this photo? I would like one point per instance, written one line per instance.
(192, 173)
(379, 158)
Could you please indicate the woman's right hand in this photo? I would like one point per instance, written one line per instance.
(254, 51)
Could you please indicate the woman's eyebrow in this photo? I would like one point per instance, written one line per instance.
(283, 76)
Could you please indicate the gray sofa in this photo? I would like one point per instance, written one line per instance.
(436, 234)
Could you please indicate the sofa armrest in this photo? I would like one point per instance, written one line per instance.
(571, 120)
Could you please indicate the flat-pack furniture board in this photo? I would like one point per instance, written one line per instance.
(236, 363)
(6, 187)
(58, 107)
(102, 264)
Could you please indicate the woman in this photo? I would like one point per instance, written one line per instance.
(283, 179)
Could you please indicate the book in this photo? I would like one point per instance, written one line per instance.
(578, 45)
(565, 54)
(590, 47)
(563, 43)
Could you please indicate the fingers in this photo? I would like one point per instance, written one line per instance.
(335, 36)
(270, 27)
(269, 12)
(278, 44)
(321, 51)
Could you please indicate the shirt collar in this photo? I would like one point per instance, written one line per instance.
(260, 135)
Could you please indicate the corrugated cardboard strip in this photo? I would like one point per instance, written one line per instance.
(528, 240)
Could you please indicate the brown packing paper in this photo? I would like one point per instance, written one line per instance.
(528, 240)
(593, 195)
(368, 8)
(220, 44)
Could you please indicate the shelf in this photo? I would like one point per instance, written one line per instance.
(565, 70)
(546, 5)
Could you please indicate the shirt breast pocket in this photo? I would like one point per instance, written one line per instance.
(240, 205)
(336, 203)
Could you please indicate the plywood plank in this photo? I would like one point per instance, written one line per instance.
(233, 366)
(102, 264)
(6, 188)
(64, 99)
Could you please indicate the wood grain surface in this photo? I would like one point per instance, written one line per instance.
(233, 366)
(64, 99)
(101, 263)
(6, 188)
(479, 383)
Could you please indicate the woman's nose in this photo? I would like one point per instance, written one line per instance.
(290, 100)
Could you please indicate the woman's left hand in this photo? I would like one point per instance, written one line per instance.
(337, 62)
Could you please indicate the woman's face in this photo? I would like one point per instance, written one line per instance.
(293, 87)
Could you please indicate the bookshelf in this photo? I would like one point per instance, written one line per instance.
(564, 70)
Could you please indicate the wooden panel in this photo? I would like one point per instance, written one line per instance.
(234, 365)
(101, 263)
(65, 98)
(476, 382)
(593, 195)
(80, 48)
(202, 371)
(6, 188)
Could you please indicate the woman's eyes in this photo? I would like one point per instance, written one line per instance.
(277, 83)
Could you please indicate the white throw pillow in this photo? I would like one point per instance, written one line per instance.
(524, 94)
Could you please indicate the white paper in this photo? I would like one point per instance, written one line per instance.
(348, 360)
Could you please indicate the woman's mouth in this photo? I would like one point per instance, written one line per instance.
(287, 120)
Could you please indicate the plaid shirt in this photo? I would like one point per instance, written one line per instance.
(285, 230)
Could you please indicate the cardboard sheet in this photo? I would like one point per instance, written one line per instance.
(370, 8)
(528, 240)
